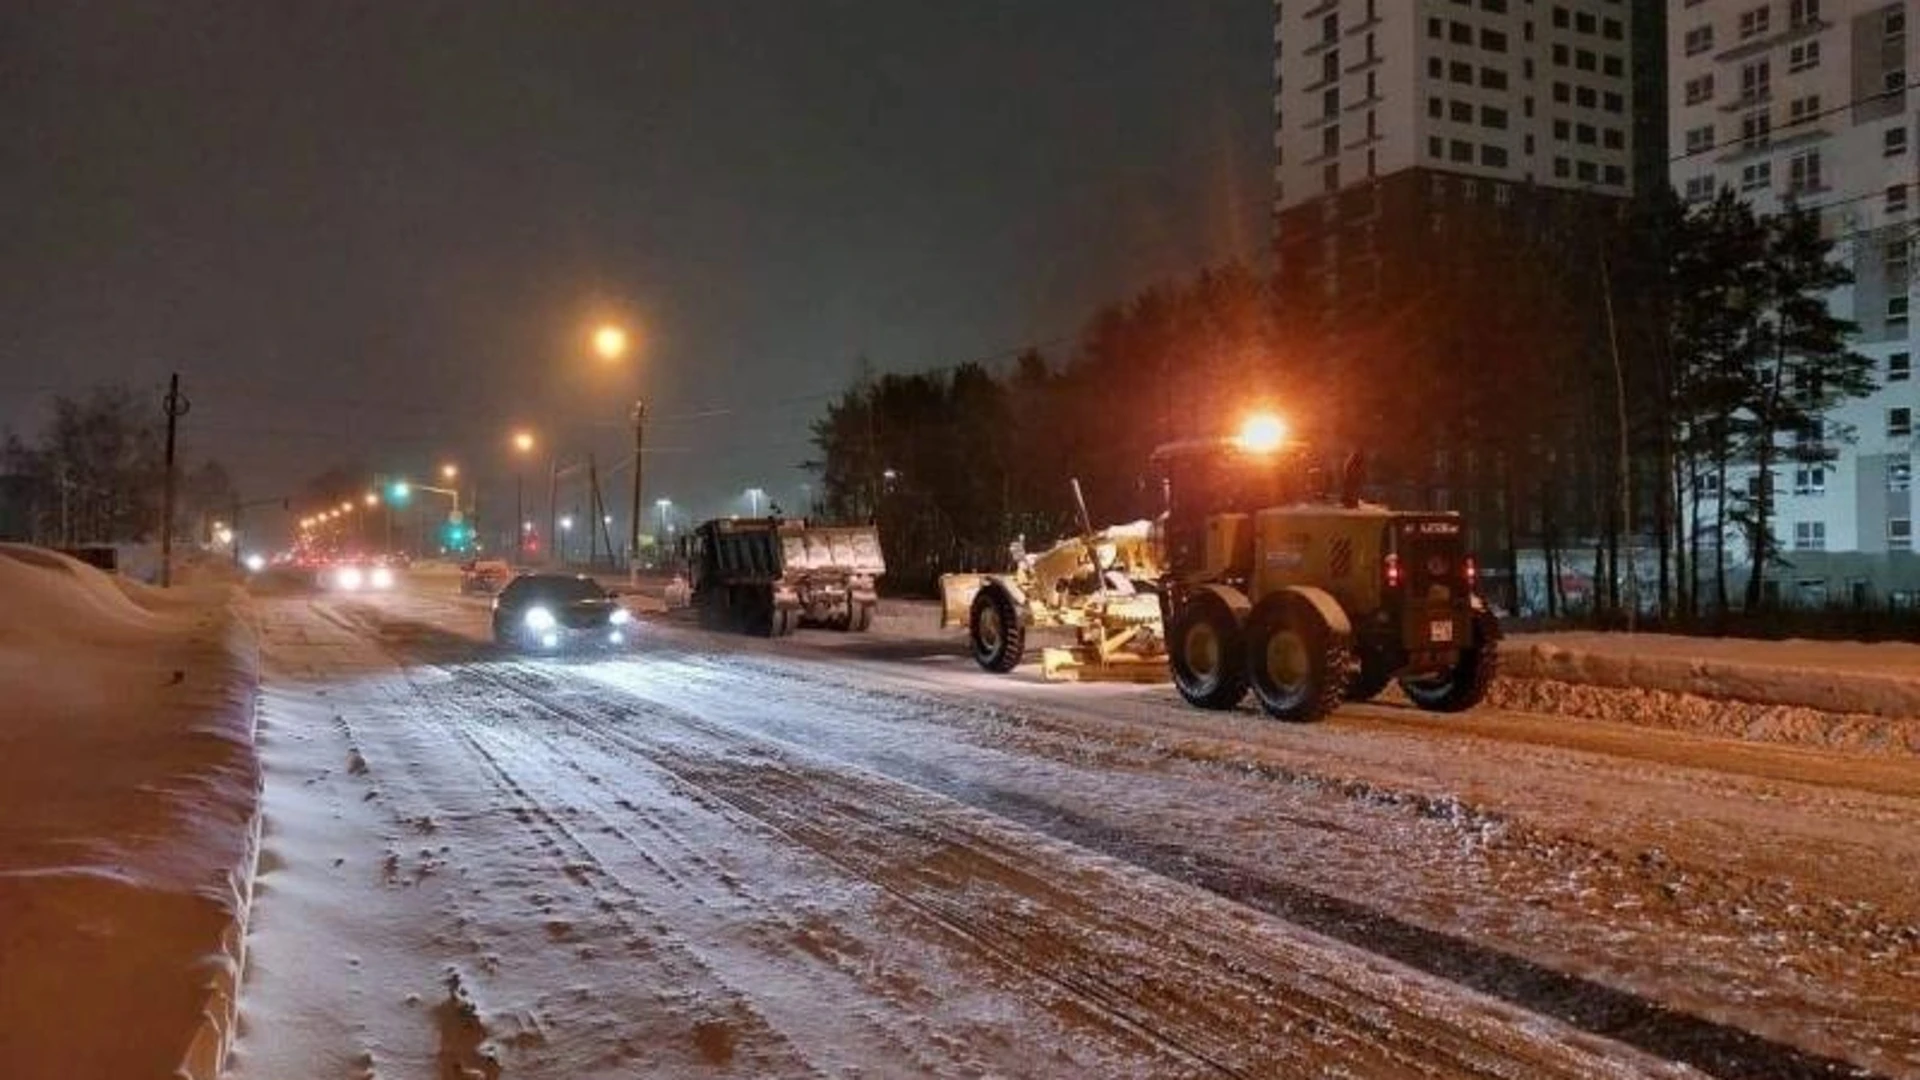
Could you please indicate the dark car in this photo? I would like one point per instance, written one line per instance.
(554, 611)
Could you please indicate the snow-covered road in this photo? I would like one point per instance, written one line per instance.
(859, 856)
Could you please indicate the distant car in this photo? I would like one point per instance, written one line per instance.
(357, 575)
(549, 612)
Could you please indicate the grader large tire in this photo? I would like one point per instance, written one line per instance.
(1466, 685)
(995, 631)
(784, 620)
(1297, 665)
(1205, 654)
(857, 620)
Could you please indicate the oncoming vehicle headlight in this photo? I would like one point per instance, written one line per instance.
(538, 619)
(349, 578)
(382, 578)
(620, 617)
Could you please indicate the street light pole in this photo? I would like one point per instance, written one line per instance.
(633, 525)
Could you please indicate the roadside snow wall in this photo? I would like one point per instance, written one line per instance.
(1837, 695)
(129, 820)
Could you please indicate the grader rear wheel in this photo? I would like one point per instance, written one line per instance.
(1298, 665)
(1204, 651)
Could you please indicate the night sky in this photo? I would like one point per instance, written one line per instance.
(381, 232)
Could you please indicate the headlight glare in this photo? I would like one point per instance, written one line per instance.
(620, 617)
(349, 578)
(382, 578)
(538, 618)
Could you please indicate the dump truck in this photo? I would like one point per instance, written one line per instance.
(768, 575)
(1098, 584)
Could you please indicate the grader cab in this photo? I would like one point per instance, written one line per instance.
(1308, 596)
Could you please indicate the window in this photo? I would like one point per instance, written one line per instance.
(1755, 22)
(1329, 140)
(1897, 314)
(1802, 13)
(1493, 157)
(1585, 23)
(1460, 72)
(1803, 109)
(1436, 146)
(1897, 199)
(1560, 54)
(1435, 68)
(1700, 139)
(1699, 188)
(1613, 30)
(1330, 102)
(1560, 17)
(1460, 33)
(1586, 134)
(1699, 90)
(1585, 97)
(1330, 27)
(1896, 24)
(1756, 79)
(1756, 175)
(1803, 172)
(1587, 171)
(1613, 139)
(1436, 29)
(1900, 534)
(1755, 127)
(1493, 118)
(1809, 536)
(1460, 150)
(1493, 79)
(1804, 56)
(1899, 367)
(1562, 168)
(1900, 473)
(1562, 92)
(1899, 423)
(1894, 141)
(1586, 61)
(1810, 480)
(1897, 262)
(1493, 41)
(1894, 81)
(1699, 40)
(1330, 65)
(1613, 103)
(1460, 112)
(1436, 108)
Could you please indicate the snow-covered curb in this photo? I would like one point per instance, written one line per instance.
(129, 821)
(1880, 680)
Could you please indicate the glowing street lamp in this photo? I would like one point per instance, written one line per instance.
(372, 500)
(522, 444)
(449, 471)
(610, 342)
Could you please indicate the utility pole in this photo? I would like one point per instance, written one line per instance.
(1626, 471)
(593, 508)
(553, 510)
(633, 525)
(176, 407)
(233, 530)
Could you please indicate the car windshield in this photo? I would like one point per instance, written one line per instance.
(560, 590)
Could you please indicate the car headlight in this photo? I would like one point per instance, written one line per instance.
(382, 578)
(349, 578)
(538, 619)
(620, 617)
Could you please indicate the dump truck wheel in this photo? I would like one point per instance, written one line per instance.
(1204, 651)
(1466, 685)
(783, 621)
(999, 641)
(1297, 664)
(860, 620)
(1371, 677)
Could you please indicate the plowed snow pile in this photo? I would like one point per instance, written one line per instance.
(1838, 695)
(128, 815)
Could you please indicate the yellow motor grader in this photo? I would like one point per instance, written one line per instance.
(1098, 584)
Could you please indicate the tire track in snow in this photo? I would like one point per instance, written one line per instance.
(1106, 957)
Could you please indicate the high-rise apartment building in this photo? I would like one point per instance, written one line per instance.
(1385, 110)
(1815, 101)
(1409, 131)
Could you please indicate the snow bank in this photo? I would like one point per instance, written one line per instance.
(1872, 679)
(129, 795)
